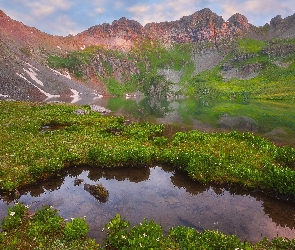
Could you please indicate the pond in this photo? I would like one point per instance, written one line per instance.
(164, 195)
(272, 119)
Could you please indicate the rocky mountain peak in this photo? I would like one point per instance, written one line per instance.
(24, 50)
(127, 23)
(282, 27)
(2, 14)
(274, 22)
(121, 34)
(203, 25)
(239, 21)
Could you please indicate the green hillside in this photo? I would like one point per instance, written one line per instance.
(249, 68)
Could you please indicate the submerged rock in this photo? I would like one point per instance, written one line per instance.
(98, 191)
(77, 181)
(243, 123)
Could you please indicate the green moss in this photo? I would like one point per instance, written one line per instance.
(119, 89)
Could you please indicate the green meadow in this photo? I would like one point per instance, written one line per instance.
(38, 140)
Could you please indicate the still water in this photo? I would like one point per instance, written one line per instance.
(164, 195)
(272, 119)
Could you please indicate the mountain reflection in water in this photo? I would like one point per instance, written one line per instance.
(272, 119)
(164, 195)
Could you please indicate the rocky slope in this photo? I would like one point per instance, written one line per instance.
(24, 74)
(24, 53)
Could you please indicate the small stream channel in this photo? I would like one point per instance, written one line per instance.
(164, 195)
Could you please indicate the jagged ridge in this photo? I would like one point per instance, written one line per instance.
(25, 50)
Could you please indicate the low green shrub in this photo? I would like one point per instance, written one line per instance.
(43, 229)
(31, 154)
(189, 238)
(14, 218)
(76, 229)
(120, 236)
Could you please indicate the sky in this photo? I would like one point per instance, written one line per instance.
(64, 17)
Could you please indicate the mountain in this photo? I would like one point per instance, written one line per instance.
(124, 57)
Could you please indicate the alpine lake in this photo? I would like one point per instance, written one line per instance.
(166, 195)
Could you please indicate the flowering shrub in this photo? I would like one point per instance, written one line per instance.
(14, 218)
(43, 229)
(76, 229)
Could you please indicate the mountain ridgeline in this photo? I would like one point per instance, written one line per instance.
(198, 55)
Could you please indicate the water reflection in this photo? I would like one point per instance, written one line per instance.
(274, 120)
(162, 194)
(280, 211)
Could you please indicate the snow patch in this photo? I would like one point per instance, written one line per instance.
(32, 66)
(33, 75)
(58, 47)
(49, 96)
(6, 96)
(75, 95)
(67, 75)
(21, 76)
(98, 97)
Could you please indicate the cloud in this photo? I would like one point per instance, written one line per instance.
(140, 9)
(63, 25)
(166, 10)
(257, 12)
(119, 4)
(99, 10)
(44, 8)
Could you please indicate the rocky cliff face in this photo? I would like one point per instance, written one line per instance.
(202, 26)
(283, 28)
(122, 34)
